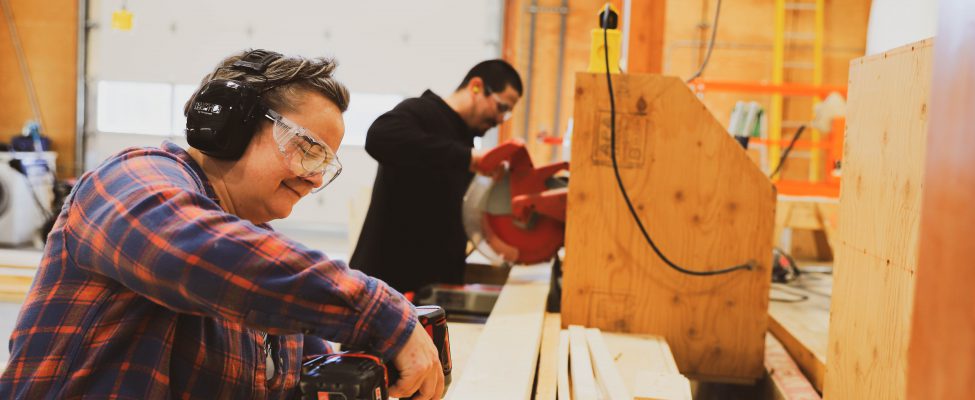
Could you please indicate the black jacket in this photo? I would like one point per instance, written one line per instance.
(413, 234)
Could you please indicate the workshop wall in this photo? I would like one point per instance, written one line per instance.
(48, 33)
(387, 50)
(894, 23)
(742, 52)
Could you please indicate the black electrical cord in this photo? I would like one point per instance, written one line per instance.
(619, 180)
(800, 297)
(707, 55)
(787, 150)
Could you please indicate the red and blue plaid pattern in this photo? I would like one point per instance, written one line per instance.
(148, 289)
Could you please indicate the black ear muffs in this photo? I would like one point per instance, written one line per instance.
(223, 116)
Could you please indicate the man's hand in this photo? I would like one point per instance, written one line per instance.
(475, 160)
(477, 168)
(419, 366)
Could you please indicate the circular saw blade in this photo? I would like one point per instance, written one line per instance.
(476, 205)
(497, 235)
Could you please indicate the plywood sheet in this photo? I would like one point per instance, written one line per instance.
(706, 205)
(880, 200)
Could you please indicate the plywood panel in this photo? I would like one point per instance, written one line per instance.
(48, 32)
(876, 258)
(942, 343)
(706, 205)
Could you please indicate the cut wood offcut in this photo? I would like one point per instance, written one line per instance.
(589, 370)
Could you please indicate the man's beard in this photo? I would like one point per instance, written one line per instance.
(479, 132)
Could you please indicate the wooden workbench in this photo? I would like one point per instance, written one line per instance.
(483, 350)
(17, 270)
(506, 349)
(799, 318)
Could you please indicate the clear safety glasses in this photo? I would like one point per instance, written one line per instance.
(503, 108)
(305, 156)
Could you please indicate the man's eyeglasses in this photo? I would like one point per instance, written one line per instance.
(503, 108)
(305, 156)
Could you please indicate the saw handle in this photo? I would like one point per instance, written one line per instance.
(550, 203)
(512, 151)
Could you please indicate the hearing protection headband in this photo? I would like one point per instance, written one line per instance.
(222, 117)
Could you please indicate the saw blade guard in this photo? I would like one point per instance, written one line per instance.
(519, 215)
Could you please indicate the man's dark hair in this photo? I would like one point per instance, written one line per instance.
(496, 74)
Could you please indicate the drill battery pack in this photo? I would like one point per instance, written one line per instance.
(362, 375)
(350, 375)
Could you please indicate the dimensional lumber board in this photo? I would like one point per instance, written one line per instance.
(564, 383)
(654, 386)
(637, 352)
(607, 375)
(705, 204)
(15, 283)
(463, 336)
(647, 366)
(880, 209)
(548, 358)
(942, 343)
(803, 327)
(786, 378)
(580, 365)
(502, 365)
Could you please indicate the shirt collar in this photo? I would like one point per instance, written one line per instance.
(431, 96)
(182, 154)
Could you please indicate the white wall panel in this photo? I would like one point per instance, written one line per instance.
(383, 47)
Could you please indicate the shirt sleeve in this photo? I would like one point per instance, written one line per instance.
(144, 222)
(398, 138)
(313, 346)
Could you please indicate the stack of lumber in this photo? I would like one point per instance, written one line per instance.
(519, 336)
(587, 371)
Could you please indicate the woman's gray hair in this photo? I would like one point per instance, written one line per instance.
(287, 77)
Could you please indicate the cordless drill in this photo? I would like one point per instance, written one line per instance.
(362, 375)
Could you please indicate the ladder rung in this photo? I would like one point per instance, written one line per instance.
(798, 65)
(800, 6)
(800, 35)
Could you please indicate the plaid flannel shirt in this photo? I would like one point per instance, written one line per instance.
(148, 289)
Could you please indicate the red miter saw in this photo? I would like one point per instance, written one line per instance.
(518, 215)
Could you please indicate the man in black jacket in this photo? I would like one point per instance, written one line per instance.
(413, 234)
